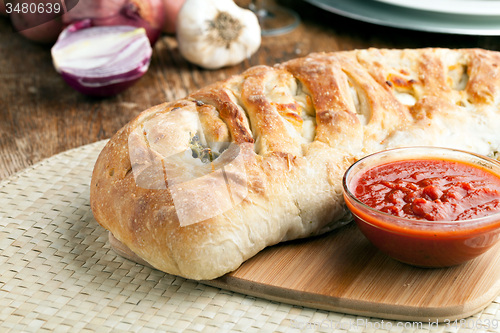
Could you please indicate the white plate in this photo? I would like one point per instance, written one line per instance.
(463, 7)
(385, 14)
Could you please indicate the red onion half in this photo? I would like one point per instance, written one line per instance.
(148, 14)
(101, 61)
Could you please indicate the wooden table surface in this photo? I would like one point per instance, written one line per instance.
(41, 116)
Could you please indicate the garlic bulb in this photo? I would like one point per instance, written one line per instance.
(216, 33)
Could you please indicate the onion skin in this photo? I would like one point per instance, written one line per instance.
(172, 9)
(148, 14)
(101, 61)
(45, 33)
(28, 24)
(3, 10)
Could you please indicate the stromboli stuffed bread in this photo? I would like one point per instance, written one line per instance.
(197, 186)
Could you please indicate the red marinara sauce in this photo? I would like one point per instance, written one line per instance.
(426, 211)
(433, 190)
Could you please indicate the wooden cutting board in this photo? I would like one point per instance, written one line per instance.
(341, 271)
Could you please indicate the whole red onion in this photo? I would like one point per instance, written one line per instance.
(2, 8)
(45, 33)
(148, 14)
(34, 21)
(172, 8)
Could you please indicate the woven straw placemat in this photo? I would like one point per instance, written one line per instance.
(58, 274)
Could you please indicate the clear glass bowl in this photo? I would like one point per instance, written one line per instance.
(421, 242)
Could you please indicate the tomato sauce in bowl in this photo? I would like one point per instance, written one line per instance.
(426, 206)
(430, 189)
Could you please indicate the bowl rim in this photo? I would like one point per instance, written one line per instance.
(421, 224)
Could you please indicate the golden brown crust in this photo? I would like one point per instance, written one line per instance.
(285, 135)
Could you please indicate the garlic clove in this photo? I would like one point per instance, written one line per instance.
(217, 33)
(101, 61)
